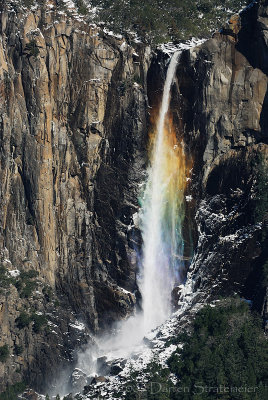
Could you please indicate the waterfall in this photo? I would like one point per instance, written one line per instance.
(162, 214)
(161, 218)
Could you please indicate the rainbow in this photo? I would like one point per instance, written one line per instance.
(162, 213)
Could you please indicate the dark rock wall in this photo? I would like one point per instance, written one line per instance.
(221, 100)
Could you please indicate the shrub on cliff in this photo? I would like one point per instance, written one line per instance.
(5, 278)
(18, 349)
(32, 49)
(27, 283)
(23, 320)
(39, 321)
(4, 353)
(261, 190)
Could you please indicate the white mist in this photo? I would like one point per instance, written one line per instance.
(157, 279)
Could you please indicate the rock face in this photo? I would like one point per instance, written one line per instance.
(72, 124)
(221, 104)
(219, 107)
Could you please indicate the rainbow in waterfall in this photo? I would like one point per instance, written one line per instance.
(162, 213)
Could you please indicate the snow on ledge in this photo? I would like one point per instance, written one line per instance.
(14, 273)
(78, 325)
(170, 47)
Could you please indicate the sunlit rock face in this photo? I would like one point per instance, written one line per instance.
(72, 154)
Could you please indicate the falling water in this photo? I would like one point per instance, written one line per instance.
(162, 214)
(161, 219)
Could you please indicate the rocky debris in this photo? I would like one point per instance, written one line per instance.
(99, 379)
(115, 369)
(117, 366)
(175, 297)
(68, 397)
(78, 380)
(157, 346)
(30, 395)
(103, 367)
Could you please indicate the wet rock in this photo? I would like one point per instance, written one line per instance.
(115, 369)
(147, 342)
(78, 379)
(87, 389)
(117, 366)
(175, 297)
(103, 367)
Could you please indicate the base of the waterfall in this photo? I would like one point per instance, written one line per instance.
(116, 375)
(115, 367)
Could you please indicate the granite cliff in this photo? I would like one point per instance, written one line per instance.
(73, 117)
(73, 136)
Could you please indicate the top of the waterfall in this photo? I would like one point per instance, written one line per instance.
(170, 47)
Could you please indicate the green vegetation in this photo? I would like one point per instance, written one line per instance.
(32, 49)
(158, 382)
(39, 321)
(5, 279)
(23, 320)
(27, 3)
(228, 348)
(158, 21)
(26, 283)
(155, 21)
(264, 279)
(12, 391)
(4, 353)
(56, 303)
(260, 165)
(26, 289)
(81, 7)
(48, 293)
(18, 350)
